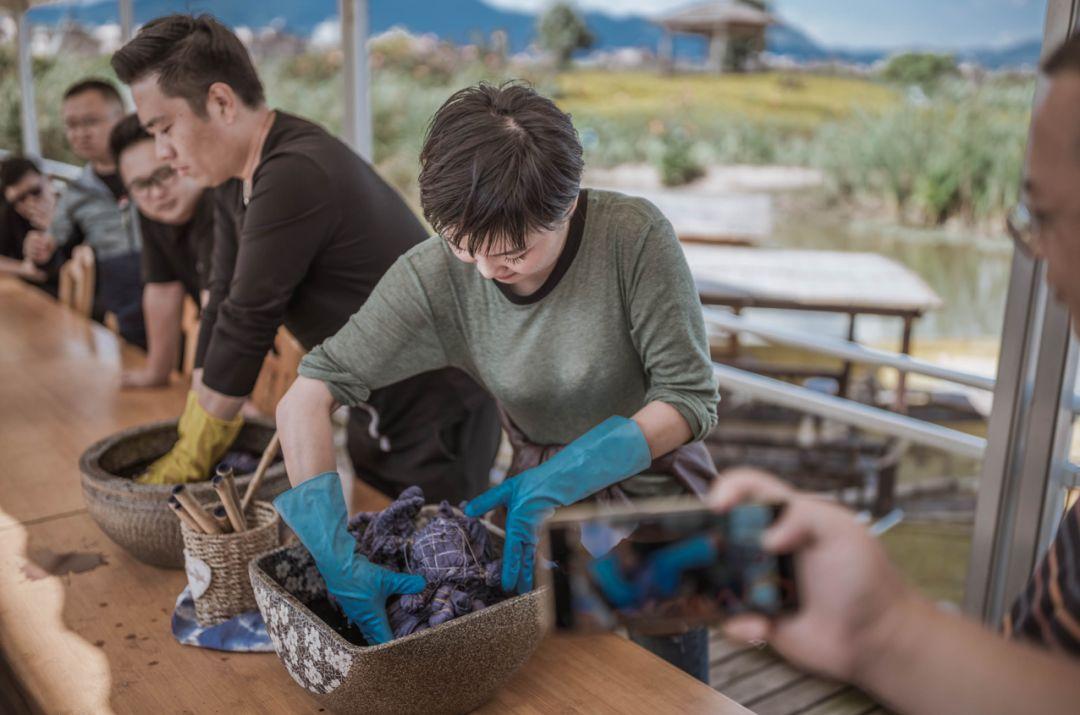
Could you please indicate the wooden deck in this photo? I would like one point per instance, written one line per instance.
(762, 682)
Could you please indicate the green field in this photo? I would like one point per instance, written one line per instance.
(933, 556)
(796, 100)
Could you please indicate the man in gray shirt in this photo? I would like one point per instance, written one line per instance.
(89, 211)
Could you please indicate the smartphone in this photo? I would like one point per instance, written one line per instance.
(661, 565)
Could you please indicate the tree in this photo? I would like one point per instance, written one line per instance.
(562, 31)
(925, 69)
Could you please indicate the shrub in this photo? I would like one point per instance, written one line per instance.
(678, 165)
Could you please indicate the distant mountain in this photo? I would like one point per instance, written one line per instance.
(1022, 54)
(462, 20)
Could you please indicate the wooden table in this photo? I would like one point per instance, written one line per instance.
(99, 641)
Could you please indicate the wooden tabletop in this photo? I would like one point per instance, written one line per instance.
(99, 640)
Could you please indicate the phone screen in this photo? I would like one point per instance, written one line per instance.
(657, 570)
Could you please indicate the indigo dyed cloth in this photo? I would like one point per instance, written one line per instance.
(245, 633)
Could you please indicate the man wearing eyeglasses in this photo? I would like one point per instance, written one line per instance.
(303, 230)
(176, 219)
(858, 621)
(89, 210)
(28, 204)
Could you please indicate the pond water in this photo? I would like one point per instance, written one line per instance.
(969, 273)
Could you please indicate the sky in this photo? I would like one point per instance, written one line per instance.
(881, 24)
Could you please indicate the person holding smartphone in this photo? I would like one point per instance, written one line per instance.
(858, 619)
(574, 308)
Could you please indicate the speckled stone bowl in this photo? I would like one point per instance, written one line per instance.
(451, 668)
(137, 516)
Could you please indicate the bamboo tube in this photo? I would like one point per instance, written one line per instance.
(195, 510)
(229, 503)
(230, 479)
(269, 453)
(222, 518)
(184, 516)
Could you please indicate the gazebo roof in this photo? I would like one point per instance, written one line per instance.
(17, 6)
(707, 16)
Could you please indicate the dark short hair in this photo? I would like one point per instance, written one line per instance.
(498, 163)
(127, 131)
(103, 87)
(14, 168)
(1065, 57)
(189, 54)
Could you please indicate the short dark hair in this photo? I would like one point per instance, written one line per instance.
(498, 162)
(189, 54)
(127, 131)
(14, 168)
(1065, 57)
(102, 86)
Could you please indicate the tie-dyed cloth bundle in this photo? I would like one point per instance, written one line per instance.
(453, 552)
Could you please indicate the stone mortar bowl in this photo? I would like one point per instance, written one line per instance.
(451, 668)
(137, 516)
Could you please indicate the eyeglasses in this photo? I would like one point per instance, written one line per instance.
(32, 193)
(76, 123)
(162, 176)
(1024, 229)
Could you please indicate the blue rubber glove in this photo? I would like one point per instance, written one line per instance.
(315, 510)
(608, 575)
(608, 453)
(664, 569)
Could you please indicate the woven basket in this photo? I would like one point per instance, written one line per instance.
(136, 516)
(217, 564)
(451, 668)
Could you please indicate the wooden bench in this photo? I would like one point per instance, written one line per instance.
(761, 681)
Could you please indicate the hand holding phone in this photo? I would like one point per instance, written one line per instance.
(663, 564)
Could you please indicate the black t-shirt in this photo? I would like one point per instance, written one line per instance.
(13, 230)
(116, 186)
(180, 253)
(319, 231)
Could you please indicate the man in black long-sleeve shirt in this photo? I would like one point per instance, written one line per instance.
(304, 229)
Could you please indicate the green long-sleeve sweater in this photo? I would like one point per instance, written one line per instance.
(617, 326)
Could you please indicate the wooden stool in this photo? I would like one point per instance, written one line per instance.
(278, 372)
(77, 278)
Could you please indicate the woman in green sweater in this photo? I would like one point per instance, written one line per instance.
(574, 308)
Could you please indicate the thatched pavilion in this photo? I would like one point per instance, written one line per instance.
(735, 30)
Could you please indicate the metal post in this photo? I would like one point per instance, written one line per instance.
(718, 42)
(1024, 432)
(666, 52)
(127, 19)
(357, 75)
(31, 141)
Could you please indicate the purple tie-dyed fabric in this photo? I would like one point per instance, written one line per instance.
(451, 551)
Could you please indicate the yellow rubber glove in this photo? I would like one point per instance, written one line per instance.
(204, 439)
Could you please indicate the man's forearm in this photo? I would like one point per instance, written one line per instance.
(306, 431)
(163, 307)
(223, 407)
(10, 266)
(927, 657)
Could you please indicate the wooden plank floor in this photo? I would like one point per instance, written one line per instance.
(761, 681)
